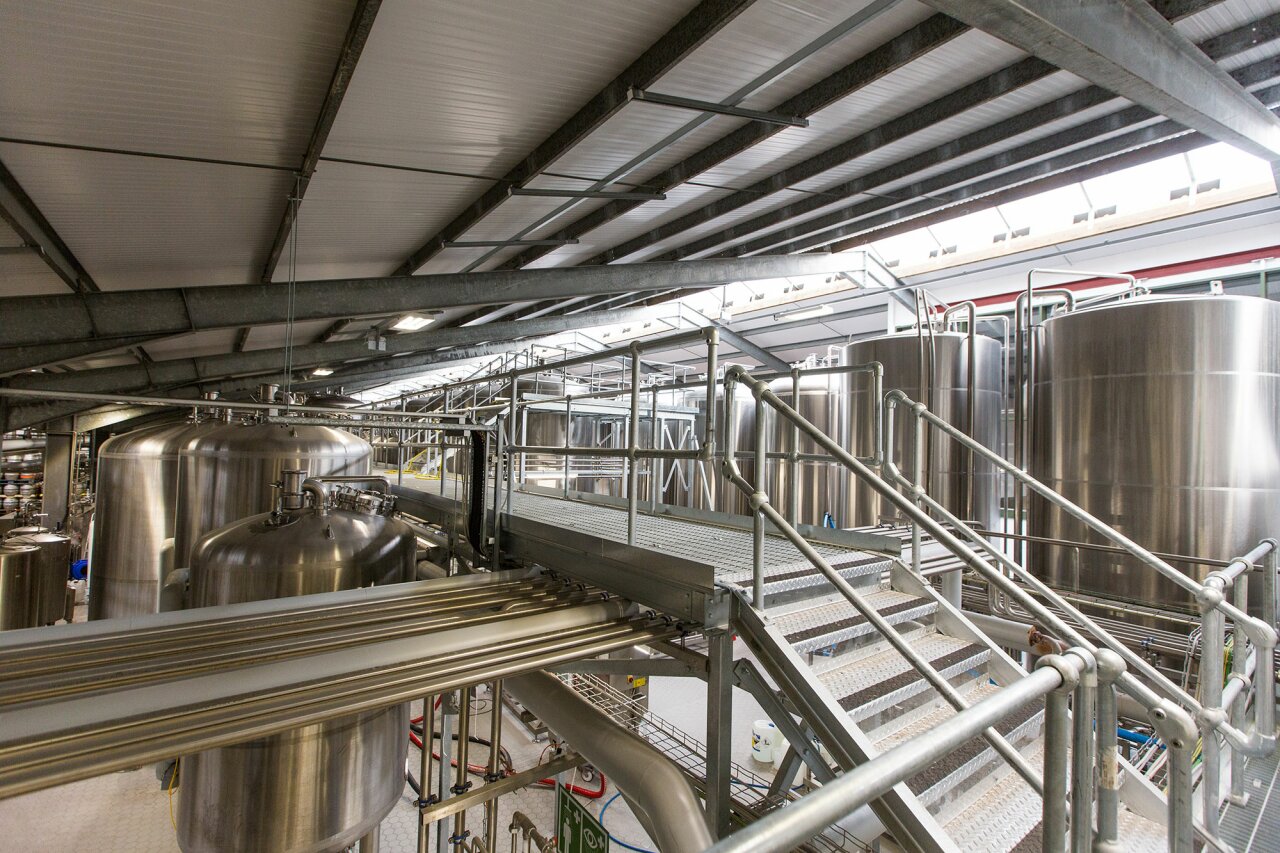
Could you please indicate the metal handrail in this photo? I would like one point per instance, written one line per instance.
(1172, 723)
(1057, 676)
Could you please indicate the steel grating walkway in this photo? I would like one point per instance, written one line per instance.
(727, 550)
(1255, 825)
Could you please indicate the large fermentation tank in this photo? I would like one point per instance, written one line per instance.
(820, 484)
(319, 787)
(136, 504)
(946, 374)
(230, 473)
(1157, 416)
(19, 586)
(53, 566)
(710, 489)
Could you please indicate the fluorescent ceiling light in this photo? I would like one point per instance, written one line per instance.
(322, 371)
(804, 313)
(412, 322)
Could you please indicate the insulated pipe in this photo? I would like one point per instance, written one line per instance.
(664, 801)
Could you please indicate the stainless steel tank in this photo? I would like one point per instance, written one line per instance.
(229, 473)
(53, 566)
(1158, 416)
(710, 489)
(134, 518)
(319, 787)
(947, 395)
(19, 586)
(820, 484)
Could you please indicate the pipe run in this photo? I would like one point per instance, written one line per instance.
(661, 796)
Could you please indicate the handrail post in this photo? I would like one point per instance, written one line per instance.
(1082, 752)
(1110, 667)
(918, 451)
(1057, 742)
(1239, 663)
(1178, 731)
(757, 515)
(655, 464)
(633, 439)
(568, 432)
(793, 458)
(1211, 651)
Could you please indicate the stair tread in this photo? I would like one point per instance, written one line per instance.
(838, 620)
(804, 575)
(860, 682)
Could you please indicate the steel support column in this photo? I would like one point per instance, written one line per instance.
(719, 730)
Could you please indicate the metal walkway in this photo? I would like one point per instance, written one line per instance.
(1255, 824)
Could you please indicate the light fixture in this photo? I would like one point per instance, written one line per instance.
(322, 371)
(412, 322)
(804, 313)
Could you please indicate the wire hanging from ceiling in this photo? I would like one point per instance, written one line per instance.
(294, 198)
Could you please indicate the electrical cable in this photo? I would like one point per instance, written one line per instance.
(612, 837)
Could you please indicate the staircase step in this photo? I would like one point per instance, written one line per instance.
(803, 577)
(824, 625)
(1004, 818)
(873, 683)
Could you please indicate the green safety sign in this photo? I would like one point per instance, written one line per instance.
(579, 831)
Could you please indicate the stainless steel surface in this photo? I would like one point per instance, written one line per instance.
(19, 586)
(317, 787)
(53, 567)
(710, 491)
(820, 483)
(948, 468)
(136, 503)
(227, 473)
(1157, 416)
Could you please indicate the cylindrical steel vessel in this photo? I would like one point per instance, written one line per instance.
(229, 473)
(820, 483)
(136, 503)
(53, 566)
(1158, 416)
(946, 369)
(319, 787)
(19, 586)
(710, 489)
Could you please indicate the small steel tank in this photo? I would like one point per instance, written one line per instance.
(136, 503)
(820, 484)
(53, 566)
(19, 586)
(230, 472)
(947, 395)
(1158, 416)
(319, 787)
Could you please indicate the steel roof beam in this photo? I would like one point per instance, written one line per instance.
(1127, 48)
(872, 66)
(22, 215)
(985, 90)
(390, 369)
(693, 30)
(36, 320)
(749, 349)
(352, 46)
(697, 106)
(1119, 131)
(188, 371)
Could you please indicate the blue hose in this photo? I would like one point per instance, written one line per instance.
(1133, 737)
(612, 837)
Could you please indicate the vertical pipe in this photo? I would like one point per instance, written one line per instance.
(1019, 402)
(498, 461)
(1211, 652)
(1109, 667)
(719, 729)
(917, 449)
(442, 778)
(793, 461)
(495, 767)
(1082, 757)
(461, 784)
(1181, 828)
(1057, 740)
(511, 439)
(1264, 677)
(757, 516)
(709, 425)
(633, 439)
(424, 767)
(369, 842)
(1239, 663)
(404, 407)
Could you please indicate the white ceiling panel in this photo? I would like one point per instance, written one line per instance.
(235, 79)
(473, 87)
(208, 342)
(25, 273)
(363, 221)
(136, 222)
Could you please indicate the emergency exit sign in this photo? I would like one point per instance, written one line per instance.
(579, 831)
